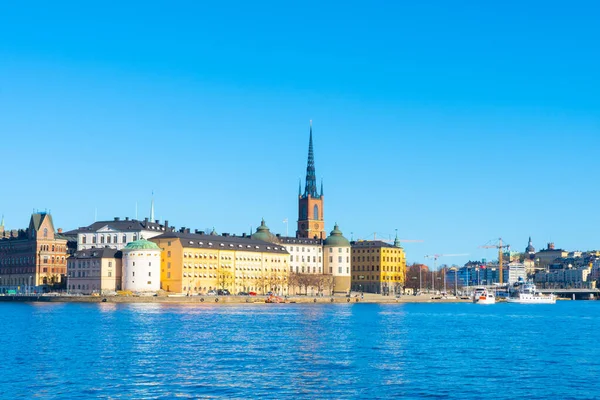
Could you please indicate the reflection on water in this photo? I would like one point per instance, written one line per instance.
(53, 350)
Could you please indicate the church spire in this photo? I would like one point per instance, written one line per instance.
(311, 180)
(299, 186)
(321, 187)
(152, 208)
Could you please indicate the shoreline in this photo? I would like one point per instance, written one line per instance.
(212, 300)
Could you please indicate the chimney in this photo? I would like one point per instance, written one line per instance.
(126, 218)
(117, 218)
(146, 219)
(225, 234)
(59, 230)
(156, 221)
(187, 230)
(201, 232)
(182, 229)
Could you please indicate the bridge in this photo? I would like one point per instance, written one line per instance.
(576, 294)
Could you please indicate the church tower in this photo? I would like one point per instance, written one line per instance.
(311, 223)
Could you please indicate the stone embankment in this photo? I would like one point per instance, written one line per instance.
(366, 298)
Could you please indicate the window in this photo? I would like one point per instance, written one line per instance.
(340, 260)
(134, 263)
(133, 273)
(330, 258)
(316, 212)
(124, 238)
(109, 274)
(108, 239)
(84, 239)
(149, 273)
(339, 270)
(45, 232)
(168, 253)
(168, 275)
(150, 263)
(331, 270)
(110, 264)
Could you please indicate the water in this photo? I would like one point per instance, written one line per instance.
(335, 351)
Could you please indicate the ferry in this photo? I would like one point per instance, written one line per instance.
(483, 296)
(527, 293)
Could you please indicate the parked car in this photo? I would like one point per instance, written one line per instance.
(269, 293)
(242, 294)
(223, 292)
(212, 293)
(251, 293)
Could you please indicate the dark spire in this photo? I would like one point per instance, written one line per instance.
(311, 180)
(321, 187)
(299, 186)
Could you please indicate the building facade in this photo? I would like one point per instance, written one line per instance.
(378, 267)
(33, 259)
(141, 266)
(94, 271)
(196, 263)
(117, 233)
(336, 250)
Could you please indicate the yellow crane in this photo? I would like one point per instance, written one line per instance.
(498, 246)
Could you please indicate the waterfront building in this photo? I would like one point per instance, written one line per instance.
(95, 270)
(196, 263)
(141, 266)
(336, 250)
(378, 267)
(306, 254)
(33, 259)
(117, 233)
(578, 277)
(311, 220)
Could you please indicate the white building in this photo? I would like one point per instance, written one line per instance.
(336, 250)
(306, 255)
(516, 271)
(141, 266)
(117, 233)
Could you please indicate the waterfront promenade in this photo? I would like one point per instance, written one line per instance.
(366, 298)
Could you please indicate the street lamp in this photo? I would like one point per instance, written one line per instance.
(29, 284)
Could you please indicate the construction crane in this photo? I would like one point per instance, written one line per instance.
(435, 257)
(498, 246)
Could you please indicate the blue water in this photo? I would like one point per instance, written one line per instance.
(335, 351)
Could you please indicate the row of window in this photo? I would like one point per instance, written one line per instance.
(31, 260)
(108, 238)
(373, 258)
(307, 249)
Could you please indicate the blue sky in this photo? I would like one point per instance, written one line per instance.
(453, 122)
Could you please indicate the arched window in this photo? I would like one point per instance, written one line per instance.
(316, 212)
(45, 232)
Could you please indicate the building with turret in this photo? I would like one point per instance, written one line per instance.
(336, 250)
(33, 259)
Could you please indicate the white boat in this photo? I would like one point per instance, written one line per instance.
(482, 295)
(527, 293)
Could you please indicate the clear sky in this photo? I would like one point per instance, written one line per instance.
(453, 122)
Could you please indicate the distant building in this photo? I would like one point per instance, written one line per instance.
(378, 267)
(141, 266)
(547, 256)
(95, 270)
(33, 259)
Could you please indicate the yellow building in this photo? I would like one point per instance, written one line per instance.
(378, 267)
(197, 263)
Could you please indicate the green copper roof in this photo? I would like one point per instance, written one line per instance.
(336, 238)
(263, 233)
(141, 244)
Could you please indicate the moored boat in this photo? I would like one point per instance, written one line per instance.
(527, 293)
(482, 295)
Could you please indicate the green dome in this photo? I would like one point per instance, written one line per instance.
(336, 239)
(263, 233)
(141, 244)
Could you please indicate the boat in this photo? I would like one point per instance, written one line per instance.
(527, 293)
(482, 295)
